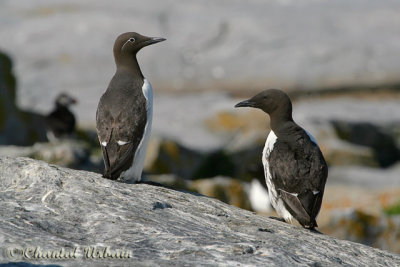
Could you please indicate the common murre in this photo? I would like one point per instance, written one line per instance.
(295, 169)
(124, 113)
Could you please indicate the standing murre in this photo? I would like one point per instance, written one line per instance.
(124, 114)
(295, 169)
(61, 121)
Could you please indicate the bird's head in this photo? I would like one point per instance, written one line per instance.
(65, 100)
(132, 42)
(270, 101)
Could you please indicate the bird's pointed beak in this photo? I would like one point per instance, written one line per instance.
(246, 103)
(154, 40)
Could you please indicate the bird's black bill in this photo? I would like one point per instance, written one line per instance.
(245, 103)
(154, 40)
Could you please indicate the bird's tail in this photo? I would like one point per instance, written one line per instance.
(312, 225)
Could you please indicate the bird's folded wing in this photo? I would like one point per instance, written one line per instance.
(117, 158)
(299, 177)
(296, 206)
(122, 135)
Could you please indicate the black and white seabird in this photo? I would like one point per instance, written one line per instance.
(61, 121)
(294, 167)
(125, 111)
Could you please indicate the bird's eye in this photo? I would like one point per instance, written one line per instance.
(131, 39)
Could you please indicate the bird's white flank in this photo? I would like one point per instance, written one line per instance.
(134, 173)
(276, 202)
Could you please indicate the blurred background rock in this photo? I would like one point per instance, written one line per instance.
(339, 61)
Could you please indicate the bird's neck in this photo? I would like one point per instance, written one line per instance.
(282, 124)
(129, 64)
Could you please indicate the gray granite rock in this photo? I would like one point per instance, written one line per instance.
(49, 208)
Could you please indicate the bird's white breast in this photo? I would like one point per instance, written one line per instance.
(269, 145)
(134, 173)
(276, 202)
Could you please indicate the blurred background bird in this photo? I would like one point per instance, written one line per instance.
(61, 121)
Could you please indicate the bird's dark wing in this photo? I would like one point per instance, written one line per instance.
(298, 171)
(120, 120)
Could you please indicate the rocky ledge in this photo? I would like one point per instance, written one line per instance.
(54, 215)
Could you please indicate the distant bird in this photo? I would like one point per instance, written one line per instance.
(61, 121)
(294, 167)
(125, 111)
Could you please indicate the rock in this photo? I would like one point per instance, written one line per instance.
(171, 181)
(16, 127)
(358, 226)
(233, 120)
(359, 213)
(226, 189)
(247, 163)
(189, 119)
(342, 153)
(365, 176)
(46, 209)
(363, 130)
(215, 163)
(370, 135)
(166, 156)
(337, 152)
(67, 153)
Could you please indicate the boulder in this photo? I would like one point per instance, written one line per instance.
(226, 189)
(17, 127)
(343, 153)
(55, 215)
(359, 226)
(166, 156)
(380, 139)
